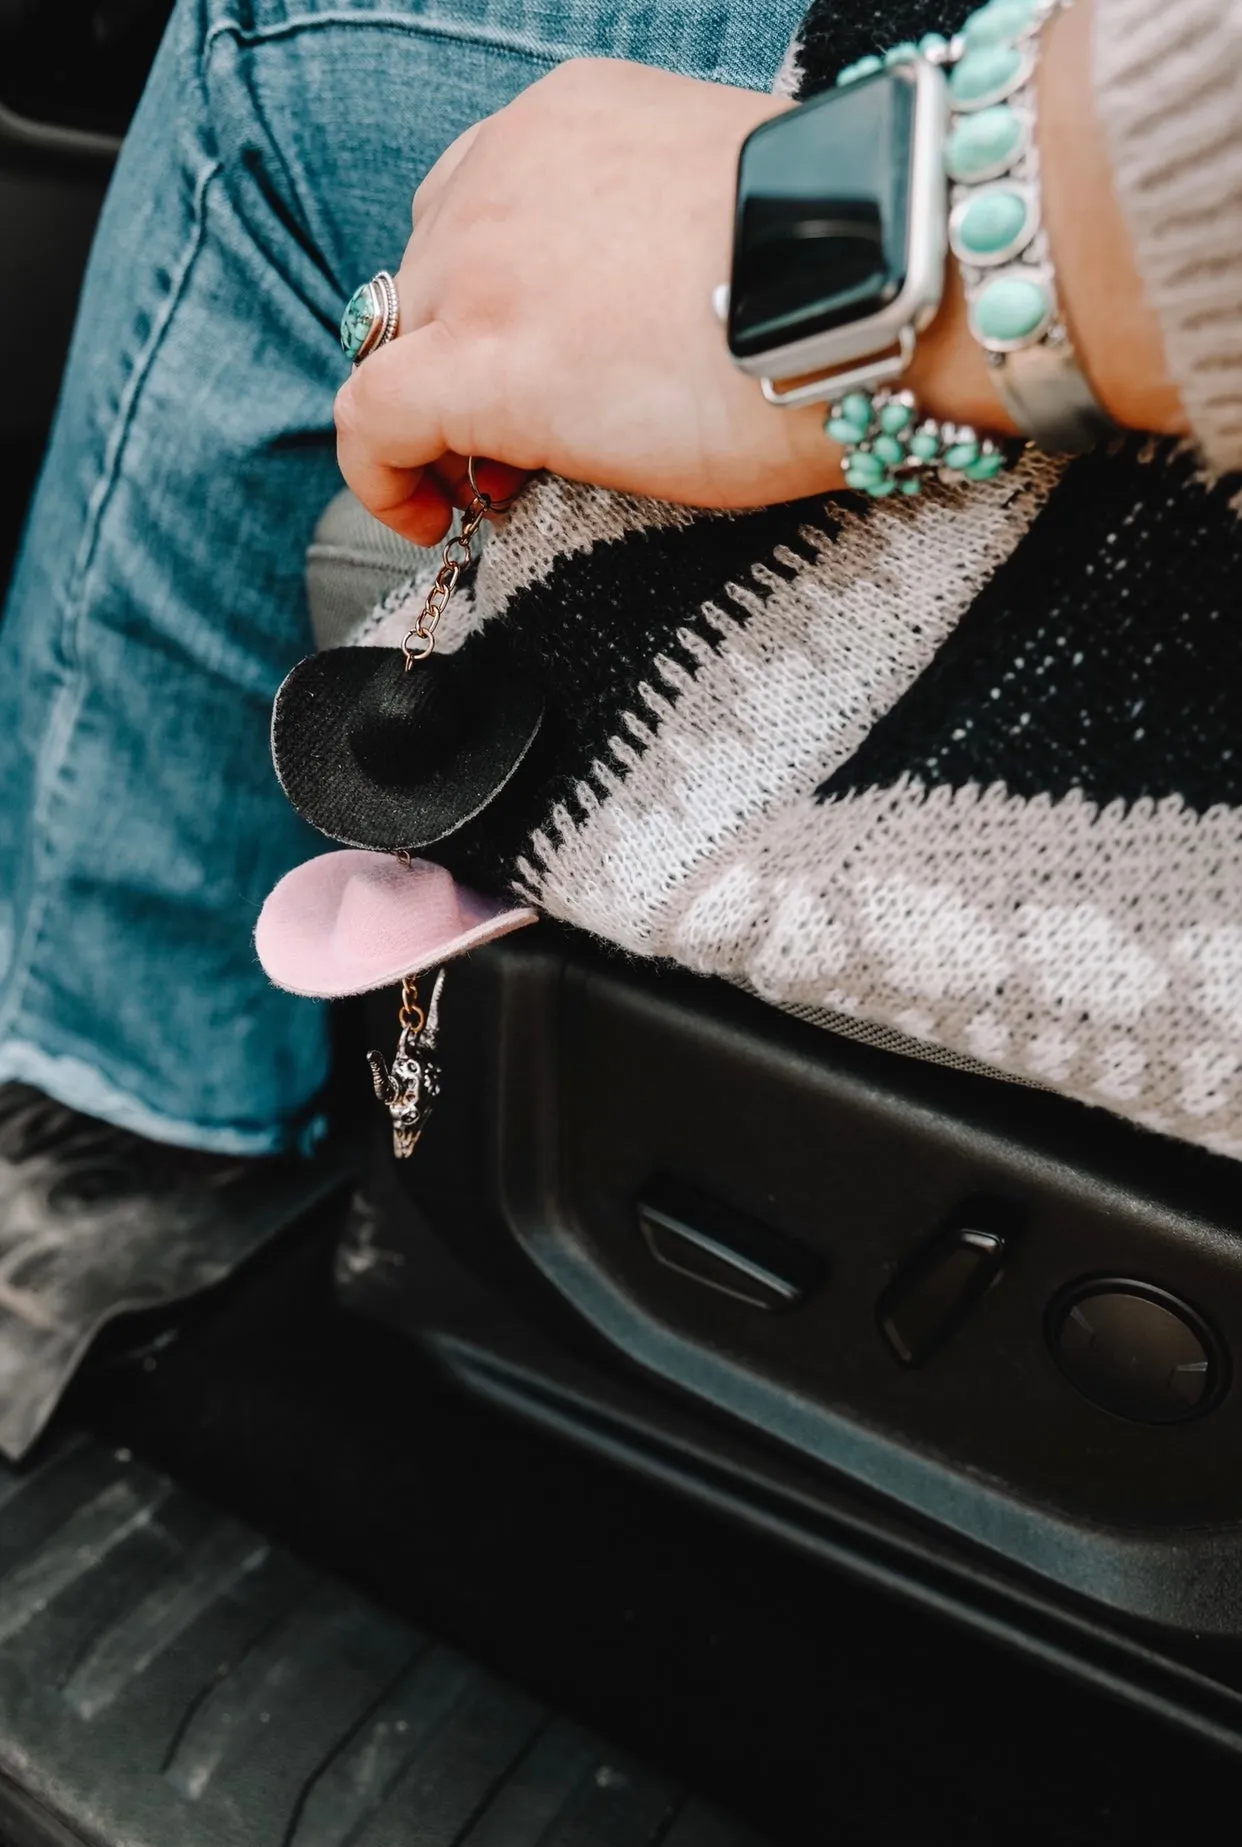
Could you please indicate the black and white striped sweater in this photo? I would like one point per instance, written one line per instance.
(960, 774)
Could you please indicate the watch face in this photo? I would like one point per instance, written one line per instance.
(823, 214)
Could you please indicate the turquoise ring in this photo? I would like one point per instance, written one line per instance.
(370, 317)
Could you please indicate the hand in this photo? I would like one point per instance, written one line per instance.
(556, 304)
(556, 310)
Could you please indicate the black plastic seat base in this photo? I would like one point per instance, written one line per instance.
(979, 1481)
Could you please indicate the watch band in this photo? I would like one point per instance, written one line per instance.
(955, 123)
(1045, 391)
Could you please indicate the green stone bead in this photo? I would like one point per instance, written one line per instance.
(864, 469)
(864, 67)
(910, 484)
(882, 489)
(985, 467)
(986, 72)
(980, 143)
(933, 44)
(961, 455)
(889, 450)
(901, 54)
(925, 445)
(992, 222)
(1010, 308)
(998, 24)
(894, 418)
(856, 407)
(842, 430)
(865, 466)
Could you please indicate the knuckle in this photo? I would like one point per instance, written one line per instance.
(353, 413)
(366, 389)
(574, 73)
(344, 412)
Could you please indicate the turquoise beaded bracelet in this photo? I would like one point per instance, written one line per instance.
(995, 231)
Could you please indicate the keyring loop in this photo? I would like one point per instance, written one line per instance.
(489, 505)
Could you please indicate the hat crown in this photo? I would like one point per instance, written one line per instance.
(377, 756)
(367, 922)
(408, 723)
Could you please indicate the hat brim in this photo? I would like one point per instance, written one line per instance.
(315, 723)
(350, 922)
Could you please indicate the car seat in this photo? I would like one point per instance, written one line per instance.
(958, 1333)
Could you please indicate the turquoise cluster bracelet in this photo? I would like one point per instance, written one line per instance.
(890, 449)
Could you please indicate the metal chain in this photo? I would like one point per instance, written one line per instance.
(420, 641)
(409, 1086)
(411, 1017)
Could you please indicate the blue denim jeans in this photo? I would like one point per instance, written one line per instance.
(159, 598)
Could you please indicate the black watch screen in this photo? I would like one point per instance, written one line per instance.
(823, 214)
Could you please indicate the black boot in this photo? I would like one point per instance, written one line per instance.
(97, 1222)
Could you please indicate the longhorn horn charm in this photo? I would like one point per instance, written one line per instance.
(409, 1087)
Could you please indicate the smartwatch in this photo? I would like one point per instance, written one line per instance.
(840, 236)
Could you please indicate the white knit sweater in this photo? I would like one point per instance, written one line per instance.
(963, 775)
(1168, 87)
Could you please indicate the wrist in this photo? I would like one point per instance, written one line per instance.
(1113, 336)
(950, 374)
(1115, 333)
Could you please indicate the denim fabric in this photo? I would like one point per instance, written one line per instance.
(159, 599)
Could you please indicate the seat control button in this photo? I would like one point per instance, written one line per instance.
(934, 1293)
(1135, 1350)
(724, 1249)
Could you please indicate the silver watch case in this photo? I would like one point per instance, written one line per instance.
(878, 349)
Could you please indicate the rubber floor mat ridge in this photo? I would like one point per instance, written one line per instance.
(167, 1677)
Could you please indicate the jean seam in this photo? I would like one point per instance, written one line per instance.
(277, 155)
(67, 705)
(543, 56)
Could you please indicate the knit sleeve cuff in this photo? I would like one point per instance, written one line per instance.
(1168, 87)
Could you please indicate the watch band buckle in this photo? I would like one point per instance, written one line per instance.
(826, 387)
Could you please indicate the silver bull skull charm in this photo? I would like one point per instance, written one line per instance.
(410, 1085)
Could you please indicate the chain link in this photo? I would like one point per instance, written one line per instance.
(411, 1017)
(412, 1083)
(420, 641)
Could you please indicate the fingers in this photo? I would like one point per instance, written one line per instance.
(402, 424)
(391, 416)
(426, 515)
(500, 482)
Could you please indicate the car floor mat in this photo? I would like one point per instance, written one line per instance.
(168, 1676)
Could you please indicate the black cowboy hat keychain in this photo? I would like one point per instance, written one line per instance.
(396, 748)
(393, 749)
